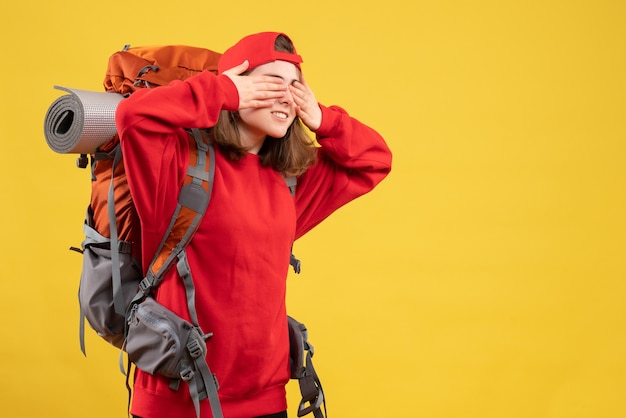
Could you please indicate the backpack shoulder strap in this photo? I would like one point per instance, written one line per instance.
(291, 183)
(192, 203)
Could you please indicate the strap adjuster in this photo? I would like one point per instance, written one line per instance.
(145, 285)
(187, 374)
(195, 350)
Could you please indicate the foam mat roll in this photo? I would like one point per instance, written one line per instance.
(81, 121)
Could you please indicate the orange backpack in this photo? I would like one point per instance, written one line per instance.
(127, 71)
(112, 285)
(111, 213)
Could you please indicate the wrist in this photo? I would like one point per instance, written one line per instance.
(231, 95)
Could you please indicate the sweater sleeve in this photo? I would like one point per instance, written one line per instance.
(352, 160)
(151, 124)
(192, 103)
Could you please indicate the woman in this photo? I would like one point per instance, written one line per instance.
(255, 108)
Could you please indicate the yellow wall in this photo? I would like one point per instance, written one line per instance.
(484, 278)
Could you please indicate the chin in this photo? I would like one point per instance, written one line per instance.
(278, 134)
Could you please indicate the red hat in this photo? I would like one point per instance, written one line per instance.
(258, 49)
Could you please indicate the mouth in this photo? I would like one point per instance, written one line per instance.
(280, 115)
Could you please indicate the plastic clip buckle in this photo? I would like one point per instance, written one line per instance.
(187, 374)
(194, 349)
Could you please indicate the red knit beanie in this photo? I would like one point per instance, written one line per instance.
(258, 49)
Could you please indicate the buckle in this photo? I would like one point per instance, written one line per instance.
(187, 374)
(145, 284)
(194, 348)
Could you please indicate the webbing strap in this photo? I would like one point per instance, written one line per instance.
(295, 262)
(185, 273)
(206, 384)
(118, 297)
(291, 183)
(81, 330)
(311, 390)
(195, 397)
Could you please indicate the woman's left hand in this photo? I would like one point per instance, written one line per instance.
(307, 108)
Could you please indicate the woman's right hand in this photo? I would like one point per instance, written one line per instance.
(255, 91)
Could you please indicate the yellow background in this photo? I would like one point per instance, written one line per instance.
(484, 278)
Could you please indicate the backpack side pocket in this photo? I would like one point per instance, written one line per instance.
(95, 293)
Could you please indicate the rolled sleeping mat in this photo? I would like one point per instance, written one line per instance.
(81, 121)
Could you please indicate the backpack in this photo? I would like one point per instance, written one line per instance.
(114, 295)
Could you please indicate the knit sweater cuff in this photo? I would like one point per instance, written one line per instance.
(231, 95)
(330, 122)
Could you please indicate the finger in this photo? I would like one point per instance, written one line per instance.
(297, 87)
(268, 94)
(300, 98)
(269, 82)
(307, 107)
(302, 91)
(259, 99)
(301, 86)
(261, 103)
(297, 94)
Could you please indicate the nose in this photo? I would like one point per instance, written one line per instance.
(287, 98)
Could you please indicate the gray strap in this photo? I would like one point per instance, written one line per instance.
(310, 386)
(195, 397)
(291, 183)
(198, 173)
(81, 331)
(118, 297)
(185, 273)
(311, 390)
(210, 384)
(295, 263)
(201, 381)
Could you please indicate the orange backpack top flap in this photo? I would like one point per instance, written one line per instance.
(151, 66)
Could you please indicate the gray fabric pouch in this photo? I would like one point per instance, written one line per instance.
(159, 341)
(96, 287)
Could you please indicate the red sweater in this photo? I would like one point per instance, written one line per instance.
(239, 256)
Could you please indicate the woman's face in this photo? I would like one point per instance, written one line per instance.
(274, 120)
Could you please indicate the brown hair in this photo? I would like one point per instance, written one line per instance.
(290, 155)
